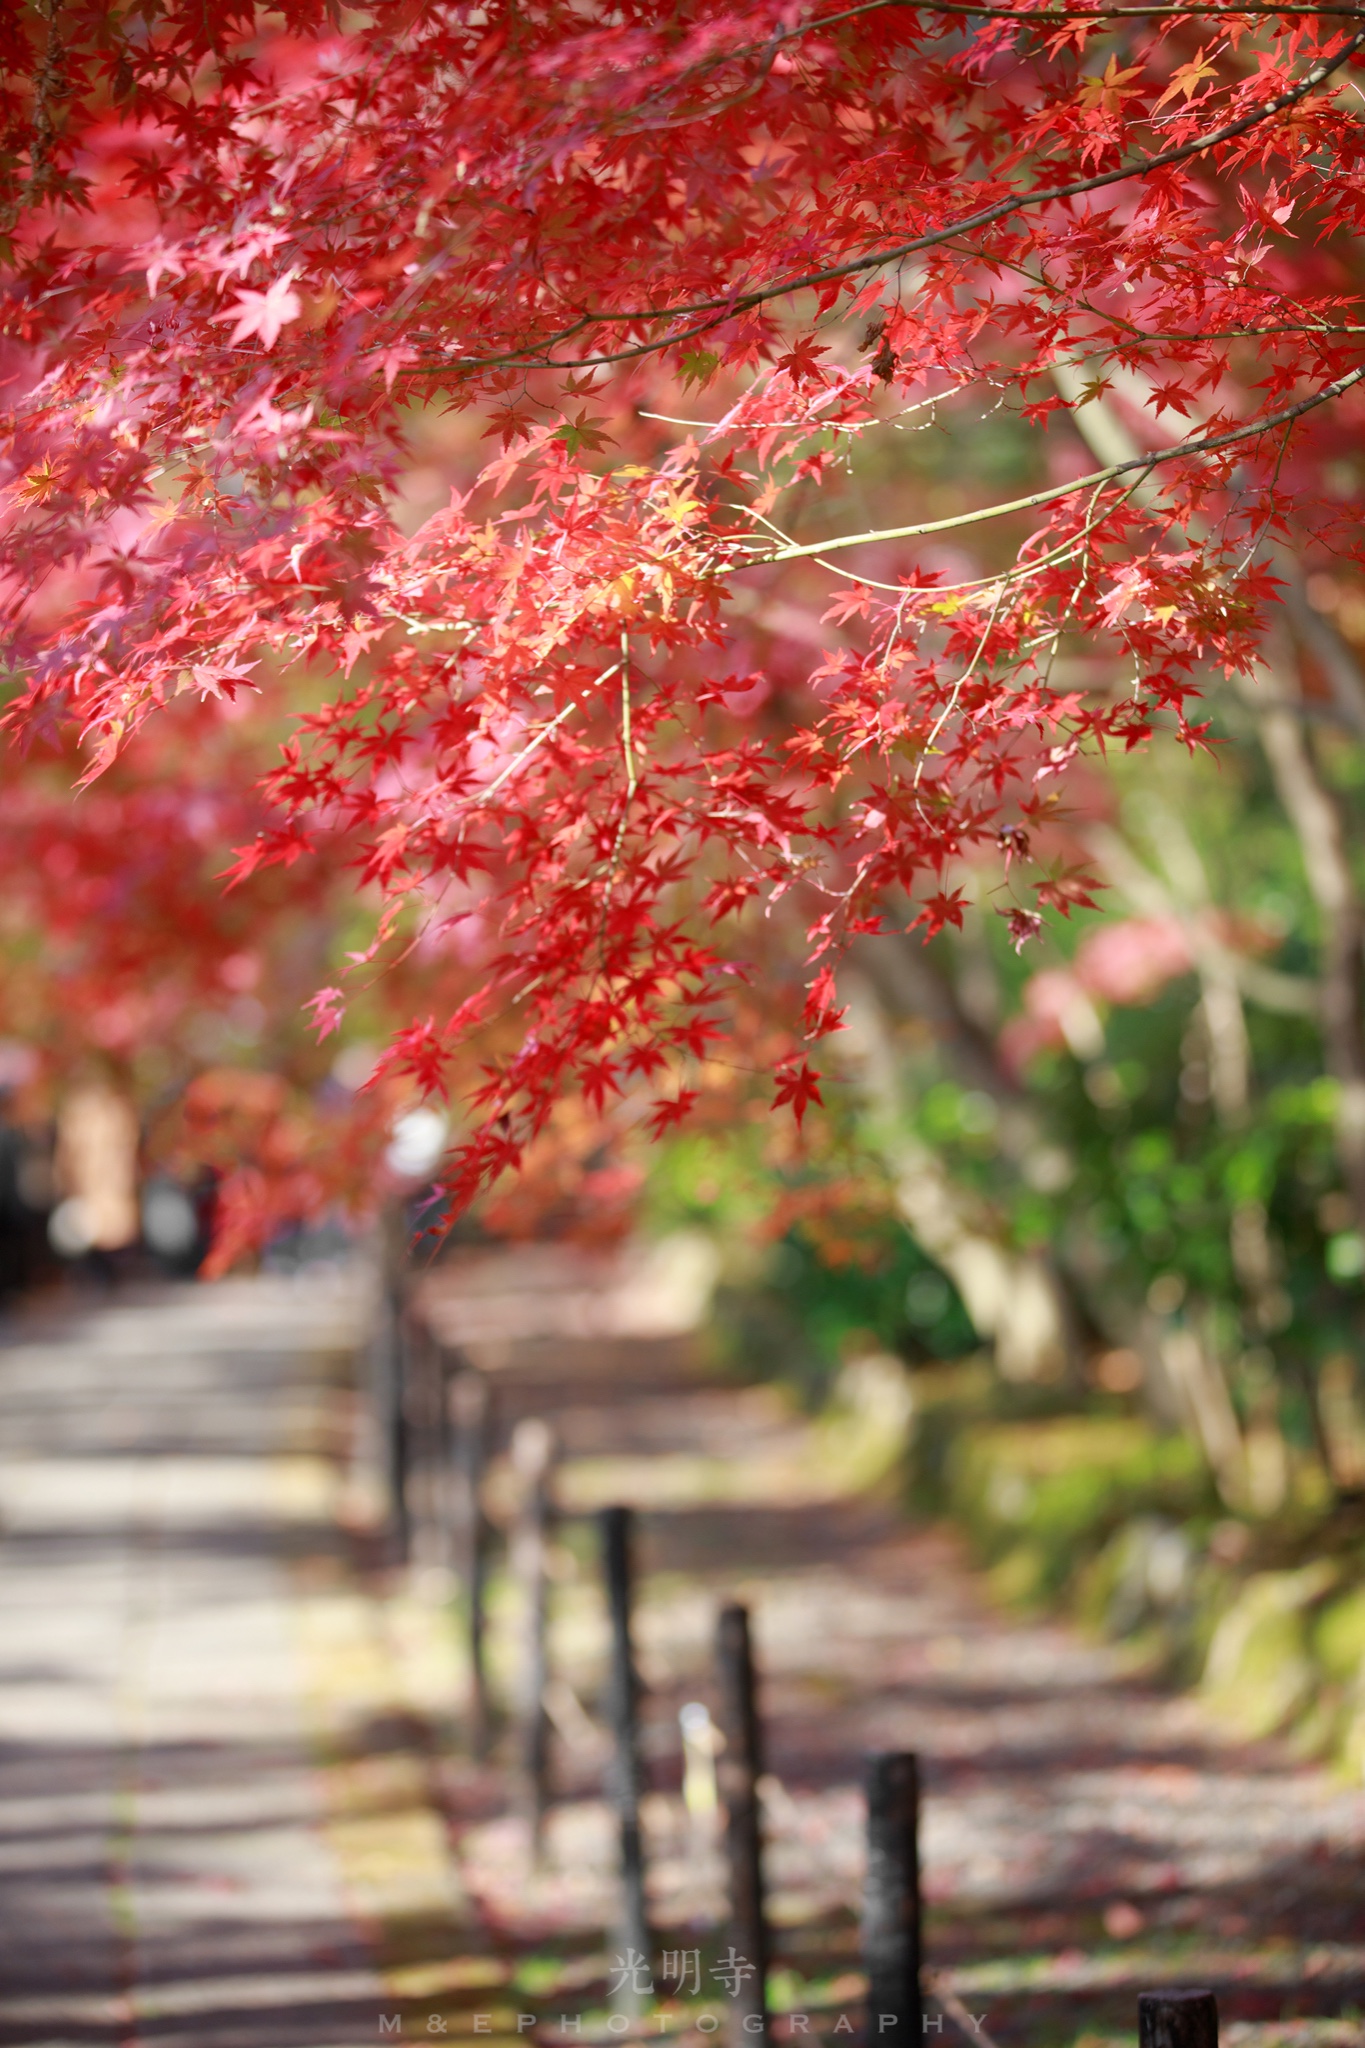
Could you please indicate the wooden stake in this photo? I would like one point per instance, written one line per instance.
(625, 1774)
(391, 1418)
(891, 1910)
(428, 1455)
(470, 1408)
(1177, 2019)
(738, 1771)
(390, 1382)
(533, 1454)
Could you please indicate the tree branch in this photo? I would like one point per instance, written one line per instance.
(1207, 444)
(718, 309)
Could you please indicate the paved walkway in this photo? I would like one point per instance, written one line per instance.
(165, 1872)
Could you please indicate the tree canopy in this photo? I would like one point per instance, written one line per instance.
(660, 699)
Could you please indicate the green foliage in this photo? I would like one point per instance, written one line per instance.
(805, 1307)
(712, 1181)
(796, 1301)
(888, 1291)
(1260, 1673)
(1339, 1635)
(1039, 1496)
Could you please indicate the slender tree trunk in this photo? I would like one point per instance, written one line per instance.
(1014, 1299)
(1315, 814)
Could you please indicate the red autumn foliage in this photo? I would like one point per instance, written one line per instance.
(549, 727)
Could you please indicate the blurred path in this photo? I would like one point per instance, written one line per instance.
(164, 1875)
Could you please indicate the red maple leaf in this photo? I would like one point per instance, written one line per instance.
(266, 314)
(796, 1086)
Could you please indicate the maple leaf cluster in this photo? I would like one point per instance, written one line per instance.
(559, 730)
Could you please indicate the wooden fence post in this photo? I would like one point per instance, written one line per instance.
(891, 1909)
(390, 1377)
(533, 1454)
(1177, 2019)
(625, 1775)
(391, 1418)
(738, 1770)
(428, 1453)
(469, 1413)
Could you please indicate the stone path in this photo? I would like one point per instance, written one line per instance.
(164, 1870)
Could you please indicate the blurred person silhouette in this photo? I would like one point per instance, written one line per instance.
(96, 1170)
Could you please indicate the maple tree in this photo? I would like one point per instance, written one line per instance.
(685, 277)
(125, 957)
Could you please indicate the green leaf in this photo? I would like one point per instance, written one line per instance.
(699, 366)
(584, 432)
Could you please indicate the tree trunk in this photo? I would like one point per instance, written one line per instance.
(1014, 1298)
(1314, 812)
